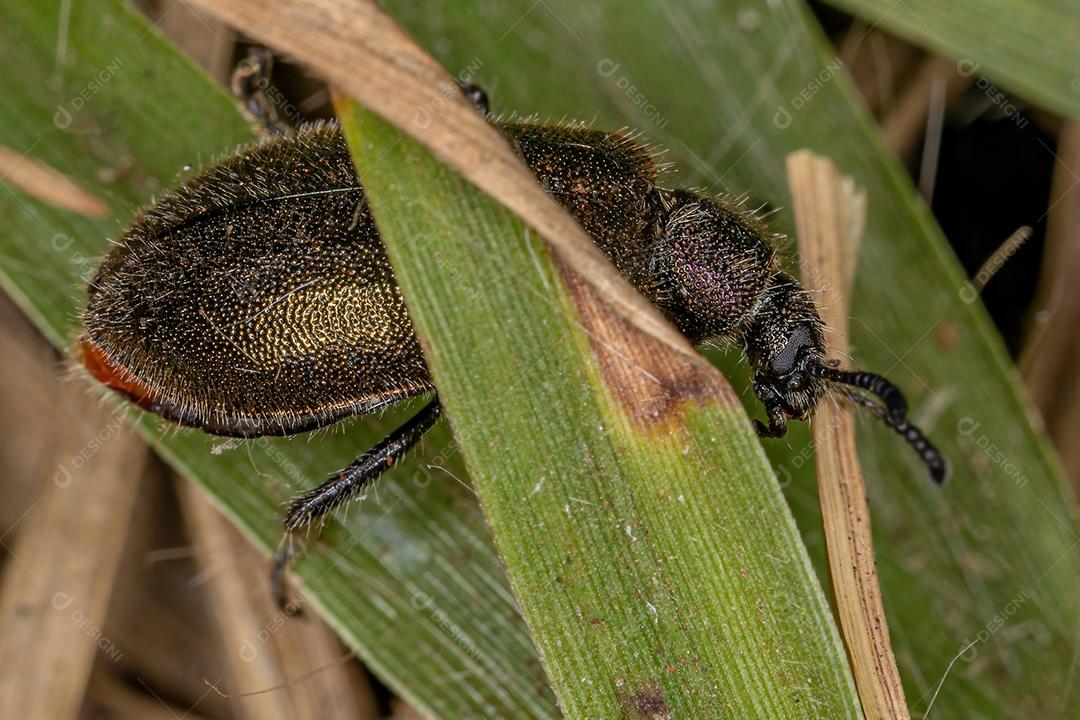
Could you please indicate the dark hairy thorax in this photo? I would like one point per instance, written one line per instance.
(605, 180)
(703, 263)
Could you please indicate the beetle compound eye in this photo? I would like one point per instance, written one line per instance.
(785, 360)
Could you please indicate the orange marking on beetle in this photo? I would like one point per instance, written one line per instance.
(112, 375)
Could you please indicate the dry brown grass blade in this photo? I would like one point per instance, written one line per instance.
(400, 710)
(1051, 360)
(110, 698)
(360, 49)
(828, 219)
(205, 40)
(278, 668)
(156, 604)
(48, 185)
(27, 386)
(879, 64)
(905, 125)
(53, 600)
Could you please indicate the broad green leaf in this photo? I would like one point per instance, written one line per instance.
(1032, 48)
(730, 89)
(410, 578)
(648, 544)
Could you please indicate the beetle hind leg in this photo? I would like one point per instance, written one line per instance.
(315, 504)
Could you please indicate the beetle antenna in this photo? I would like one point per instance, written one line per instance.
(935, 461)
(890, 395)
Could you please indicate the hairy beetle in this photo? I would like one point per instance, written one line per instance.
(257, 299)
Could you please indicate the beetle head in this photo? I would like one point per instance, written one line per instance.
(785, 347)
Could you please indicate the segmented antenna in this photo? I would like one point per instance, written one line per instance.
(935, 461)
(890, 395)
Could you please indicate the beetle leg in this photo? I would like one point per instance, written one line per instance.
(476, 96)
(316, 503)
(250, 85)
(774, 408)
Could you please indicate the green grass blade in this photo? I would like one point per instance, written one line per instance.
(649, 546)
(1030, 48)
(730, 89)
(411, 579)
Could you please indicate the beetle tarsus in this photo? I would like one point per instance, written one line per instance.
(278, 581)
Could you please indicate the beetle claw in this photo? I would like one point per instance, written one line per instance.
(279, 585)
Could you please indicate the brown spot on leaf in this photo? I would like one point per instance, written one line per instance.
(651, 380)
(948, 336)
(646, 703)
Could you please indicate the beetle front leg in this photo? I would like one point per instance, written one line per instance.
(774, 408)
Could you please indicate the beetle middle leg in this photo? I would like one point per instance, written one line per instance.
(476, 95)
(250, 84)
(316, 503)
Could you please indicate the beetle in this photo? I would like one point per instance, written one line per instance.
(257, 299)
